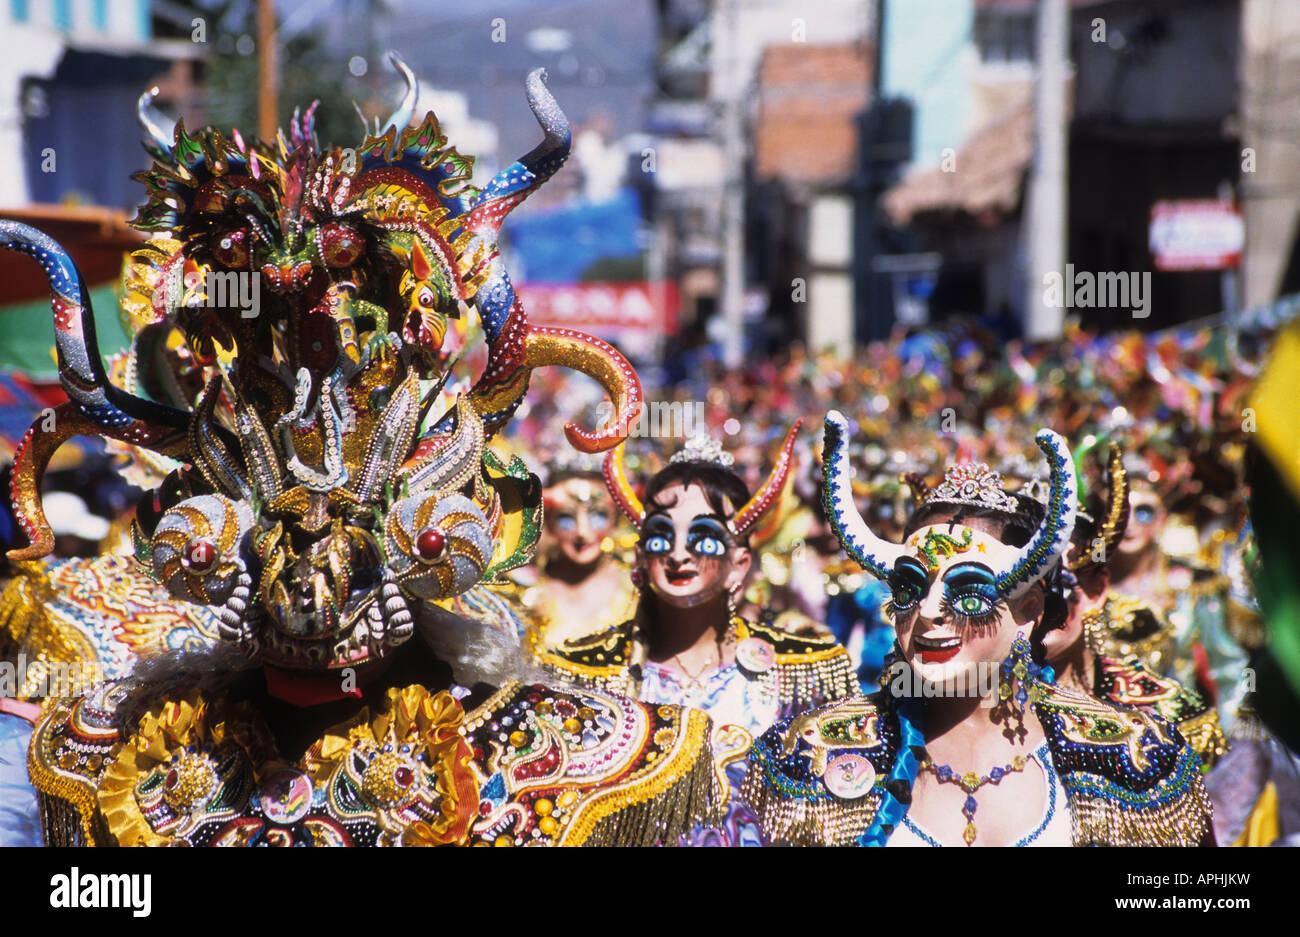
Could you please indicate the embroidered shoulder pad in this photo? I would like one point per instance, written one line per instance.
(605, 661)
(1129, 683)
(72, 744)
(816, 779)
(814, 669)
(1132, 778)
(577, 768)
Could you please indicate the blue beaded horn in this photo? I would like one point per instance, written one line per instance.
(878, 556)
(873, 554)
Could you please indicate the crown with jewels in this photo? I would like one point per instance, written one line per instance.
(703, 449)
(974, 484)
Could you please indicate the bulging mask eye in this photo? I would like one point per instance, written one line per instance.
(340, 245)
(907, 583)
(707, 538)
(231, 249)
(657, 537)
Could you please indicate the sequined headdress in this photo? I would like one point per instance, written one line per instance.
(704, 449)
(971, 484)
(319, 500)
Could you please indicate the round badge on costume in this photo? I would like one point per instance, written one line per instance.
(755, 655)
(286, 797)
(848, 777)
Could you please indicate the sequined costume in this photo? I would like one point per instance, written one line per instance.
(328, 502)
(1130, 778)
(798, 673)
(530, 766)
(844, 774)
(1128, 683)
(104, 613)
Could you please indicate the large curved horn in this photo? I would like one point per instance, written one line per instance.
(401, 118)
(770, 490)
(873, 554)
(1035, 559)
(620, 489)
(160, 127)
(81, 368)
(598, 360)
(1116, 522)
(521, 178)
(32, 457)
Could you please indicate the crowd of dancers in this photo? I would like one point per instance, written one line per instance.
(953, 592)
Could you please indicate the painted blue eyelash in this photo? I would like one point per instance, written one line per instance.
(979, 620)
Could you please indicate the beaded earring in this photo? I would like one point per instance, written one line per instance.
(638, 577)
(732, 602)
(1018, 671)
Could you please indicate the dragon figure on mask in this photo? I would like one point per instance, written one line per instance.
(318, 501)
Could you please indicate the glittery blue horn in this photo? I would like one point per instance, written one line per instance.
(522, 178)
(873, 554)
(1045, 547)
(160, 127)
(81, 369)
(401, 118)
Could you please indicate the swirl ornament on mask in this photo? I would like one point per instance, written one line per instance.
(970, 485)
(437, 544)
(195, 546)
(291, 309)
(195, 551)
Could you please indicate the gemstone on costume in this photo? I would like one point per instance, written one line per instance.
(431, 544)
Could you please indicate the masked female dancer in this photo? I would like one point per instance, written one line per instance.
(685, 643)
(584, 587)
(950, 753)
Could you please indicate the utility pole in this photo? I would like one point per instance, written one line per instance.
(733, 198)
(1045, 230)
(268, 75)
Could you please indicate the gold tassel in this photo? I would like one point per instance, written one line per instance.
(680, 794)
(1182, 822)
(798, 821)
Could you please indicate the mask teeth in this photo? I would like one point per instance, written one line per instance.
(397, 616)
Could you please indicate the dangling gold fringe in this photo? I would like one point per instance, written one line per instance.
(679, 794)
(69, 811)
(802, 822)
(806, 685)
(22, 604)
(1205, 735)
(1183, 822)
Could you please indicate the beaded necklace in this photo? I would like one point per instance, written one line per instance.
(971, 783)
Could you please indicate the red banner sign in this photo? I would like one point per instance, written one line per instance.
(610, 310)
(1196, 234)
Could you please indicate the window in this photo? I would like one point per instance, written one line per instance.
(18, 10)
(1003, 35)
(61, 14)
(99, 14)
